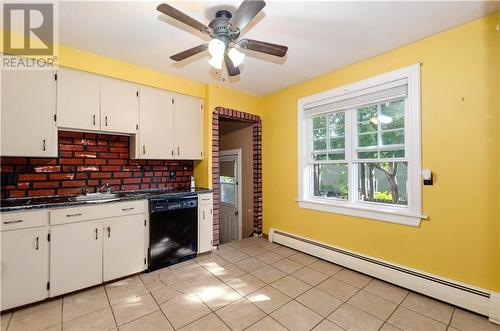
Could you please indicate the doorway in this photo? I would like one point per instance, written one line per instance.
(230, 195)
(251, 178)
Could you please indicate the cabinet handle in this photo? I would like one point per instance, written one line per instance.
(143, 149)
(93, 120)
(44, 148)
(74, 215)
(172, 152)
(106, 120)
(178, 150)
(12, 222)
(37, 243)
(109, 231)
(126, 209)
(203, 214)
(210, 211)
(96, 234)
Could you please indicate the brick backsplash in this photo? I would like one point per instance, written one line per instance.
(89, 159)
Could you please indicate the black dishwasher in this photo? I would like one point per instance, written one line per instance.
(173, 230)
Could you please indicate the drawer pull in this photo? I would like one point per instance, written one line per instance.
(96, 234)
(13, 221)
(37, 243)
(74, 215)
(127, 209)
(205, 199)
(109, 231)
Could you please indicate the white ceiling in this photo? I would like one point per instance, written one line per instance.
(321, 36)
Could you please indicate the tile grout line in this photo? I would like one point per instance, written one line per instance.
(110, 306)
(399, 305)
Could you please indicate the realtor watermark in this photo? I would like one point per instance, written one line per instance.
(29, 35)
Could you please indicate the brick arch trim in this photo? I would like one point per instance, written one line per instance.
(220, 112)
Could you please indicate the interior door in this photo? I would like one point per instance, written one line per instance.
(119, 106)
(76, 248)
(78, 100)
(28, 108)
(123, 250)
(156, 124)
(25, 262)
(230, 228)
(188, 127)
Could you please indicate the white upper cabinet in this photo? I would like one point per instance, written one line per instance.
(28, 110)
(119, 106)
(78, 100)
(188, 127)
(155, 138)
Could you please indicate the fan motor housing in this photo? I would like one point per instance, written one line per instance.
(220, 27)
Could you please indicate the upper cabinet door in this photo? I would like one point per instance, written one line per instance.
(188, 127)
(77, 100)
(119, 106)
(156, 124)
(28, 108)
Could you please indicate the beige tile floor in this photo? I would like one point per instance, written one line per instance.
(249, 284)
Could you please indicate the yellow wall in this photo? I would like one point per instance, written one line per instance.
(460, 144)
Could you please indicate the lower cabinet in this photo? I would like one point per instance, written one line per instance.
(123, 246)
(205, 222)
(75, 256)
(24, 266)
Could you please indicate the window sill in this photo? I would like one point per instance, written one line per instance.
(344, 208)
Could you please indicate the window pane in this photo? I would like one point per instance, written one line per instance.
(319, 157)
(393, 137)
(397, 153)
(337, 143)
(392, 115)
(367, 113)
(226, 179)
(336, 156)
(330, 180)
(319, 145)
(368, 155)
(367, 126)
(319, 134)
(228, 193)
(369, 139)
(383, 182)
(319, 122)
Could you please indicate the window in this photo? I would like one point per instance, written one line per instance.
(360, 149)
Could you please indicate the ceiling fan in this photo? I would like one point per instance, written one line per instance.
(225, 30)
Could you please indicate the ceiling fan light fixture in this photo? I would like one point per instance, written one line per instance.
(216, 48)
(216, 62)
(236, 56)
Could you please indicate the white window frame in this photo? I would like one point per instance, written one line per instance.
(407, 215)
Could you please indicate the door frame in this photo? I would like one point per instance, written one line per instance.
(236, 152)
(256, 122)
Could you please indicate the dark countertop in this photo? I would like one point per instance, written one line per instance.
(57, 201)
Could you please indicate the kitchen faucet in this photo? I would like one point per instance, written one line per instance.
(108, 188)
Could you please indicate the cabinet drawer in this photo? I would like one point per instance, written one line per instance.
(84, 213)
(24, 219)
(205, 199)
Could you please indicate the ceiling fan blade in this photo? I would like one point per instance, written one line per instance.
(231, 69)
(245, 12)
(181, 17)
(263, 47)
(189, 52)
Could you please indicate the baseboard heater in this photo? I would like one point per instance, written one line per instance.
(478, 300)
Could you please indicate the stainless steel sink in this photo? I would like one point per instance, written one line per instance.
(97, 197)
